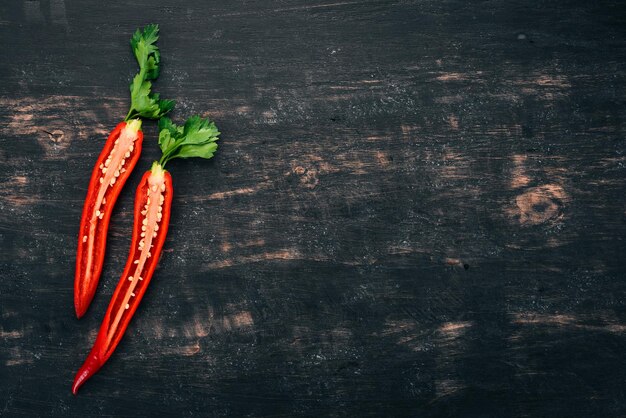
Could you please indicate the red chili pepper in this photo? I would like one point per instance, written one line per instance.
(152, 214)
(116, 162)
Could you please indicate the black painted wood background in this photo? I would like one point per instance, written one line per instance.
(417, 209)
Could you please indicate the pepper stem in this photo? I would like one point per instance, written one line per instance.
(134, 124)
(157, 169)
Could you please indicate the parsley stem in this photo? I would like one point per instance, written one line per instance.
(128, 114)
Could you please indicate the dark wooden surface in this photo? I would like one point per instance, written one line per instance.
(417, 209)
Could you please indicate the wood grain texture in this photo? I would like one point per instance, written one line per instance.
(417, 209)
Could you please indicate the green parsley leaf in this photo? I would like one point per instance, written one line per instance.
(197, 138)
(167, 133)
(143, 102)
(199, 131)
(149, 36)
(202, 151)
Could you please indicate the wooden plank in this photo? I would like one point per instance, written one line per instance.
(417, 209)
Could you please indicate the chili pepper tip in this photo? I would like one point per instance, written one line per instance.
(80, 311)
(88, 369)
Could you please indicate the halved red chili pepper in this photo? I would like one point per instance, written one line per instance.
(113, 167)
(152, 214)
(116, 162)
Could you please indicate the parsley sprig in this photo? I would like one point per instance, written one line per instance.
(143, 102)
(196, 138)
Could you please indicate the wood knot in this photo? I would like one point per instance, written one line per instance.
(539, 205)
(56, 136)
(54, 143)
(308, 176)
